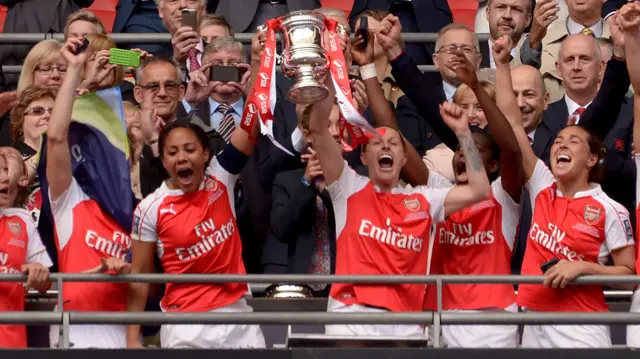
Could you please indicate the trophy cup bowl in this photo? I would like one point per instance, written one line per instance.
(304, 58)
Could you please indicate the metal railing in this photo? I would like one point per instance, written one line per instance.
(154, 39)
(436, 319)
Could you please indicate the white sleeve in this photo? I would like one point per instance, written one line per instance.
(228, 180)
(36, 252)
(62, 211)
(349, 183)
(145, 219)
(297, 140)
(637, 158)
(438, 181)
(618, 230)
(510, 211)
(436, 198)
(540, 179)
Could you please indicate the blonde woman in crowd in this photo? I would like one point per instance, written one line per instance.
(43, 66)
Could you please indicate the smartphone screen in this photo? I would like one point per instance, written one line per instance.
(226, 74)
(190, 18)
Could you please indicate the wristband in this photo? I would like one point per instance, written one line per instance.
(368, 71)
(305, 182)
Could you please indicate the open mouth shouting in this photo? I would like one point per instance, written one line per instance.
(185, 176)
(563, 160)
(385, 162)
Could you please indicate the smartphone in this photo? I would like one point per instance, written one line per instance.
(81, 48)
(226, 74)
(548, 264)
(190, 18)
(363, 30)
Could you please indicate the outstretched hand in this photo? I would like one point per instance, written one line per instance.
(463, 68)
(74, 61)
(453, 116)
(628, 18)
(502, 50)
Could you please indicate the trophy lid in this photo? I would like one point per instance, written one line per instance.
(301, 16)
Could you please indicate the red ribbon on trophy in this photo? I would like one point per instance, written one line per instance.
(261, 100)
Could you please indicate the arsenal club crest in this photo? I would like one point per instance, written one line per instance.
(15, 228)
(592, 214)
(412, 204)
(210, 185)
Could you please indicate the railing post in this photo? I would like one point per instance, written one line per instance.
(63, 337)
(436, 316)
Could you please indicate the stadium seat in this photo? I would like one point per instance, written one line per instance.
(344, 5)
(464, 12)
(105, 10)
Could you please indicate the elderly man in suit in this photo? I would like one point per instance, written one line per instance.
(246, 15)
(550, 27)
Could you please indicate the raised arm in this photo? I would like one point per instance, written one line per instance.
(478, 188)
(58, 168)
(415, 172)
(506, 101)
(510, 155)
(325, 145)
(629, 20)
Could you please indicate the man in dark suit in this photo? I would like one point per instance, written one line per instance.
(415, 16)
(139, 16)
(246, 15)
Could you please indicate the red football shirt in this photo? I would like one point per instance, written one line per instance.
(584, 228)
(382, 233)
(19, 244)
(477, 240)
(195, 233)
(84, 235)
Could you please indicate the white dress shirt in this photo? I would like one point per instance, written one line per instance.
(449, 90)
(572, 107)
(575, 28)
(215, 117)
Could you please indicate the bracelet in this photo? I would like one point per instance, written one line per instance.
(368, 71)
(305, 182)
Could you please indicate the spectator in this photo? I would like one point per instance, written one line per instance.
(21, 248)
(98, 73)
(542, 50)
(187, 43)
(213, 27)
(140, 16)
(29, 120)
(466, 99)
(415, 16)
(43, 66)
(82, 23)
(34, 16)
(136, 142)
(79, 220)
(248, 15)
(507, 17)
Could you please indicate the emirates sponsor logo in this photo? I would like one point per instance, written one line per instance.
(591, 214)
(263, 79)
(551, 239)
(390, 236)
(4, 258)
(210, 237)
(9, 270)
(117, 246)
(462, 235)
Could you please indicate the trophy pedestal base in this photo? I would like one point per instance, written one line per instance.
(304, 93)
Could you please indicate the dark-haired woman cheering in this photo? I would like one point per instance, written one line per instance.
(190, 222)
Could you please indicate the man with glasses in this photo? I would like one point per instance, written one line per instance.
(429, 89)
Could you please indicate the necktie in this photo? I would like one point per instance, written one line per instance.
(228, 125)
(587, 31)
(321, 257)
(194, 65)
(575, 117)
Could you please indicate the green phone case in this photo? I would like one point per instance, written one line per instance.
(124, 57)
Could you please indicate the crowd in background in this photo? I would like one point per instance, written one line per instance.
(515, 156)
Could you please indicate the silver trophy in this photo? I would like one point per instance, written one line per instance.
(304, 58)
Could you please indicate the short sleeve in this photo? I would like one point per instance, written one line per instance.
(145, 219)
(436, 198)
(62, 211)
(540, 179)
(36, 252)
(228, 179)
(349, 183)
(618, 230)
(437, 180)
(510, 211)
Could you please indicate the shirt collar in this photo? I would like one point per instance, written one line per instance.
(574, 28)
(237, 107)
(572, 106)
(592, 192)
(449, 90)
(532, 135)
